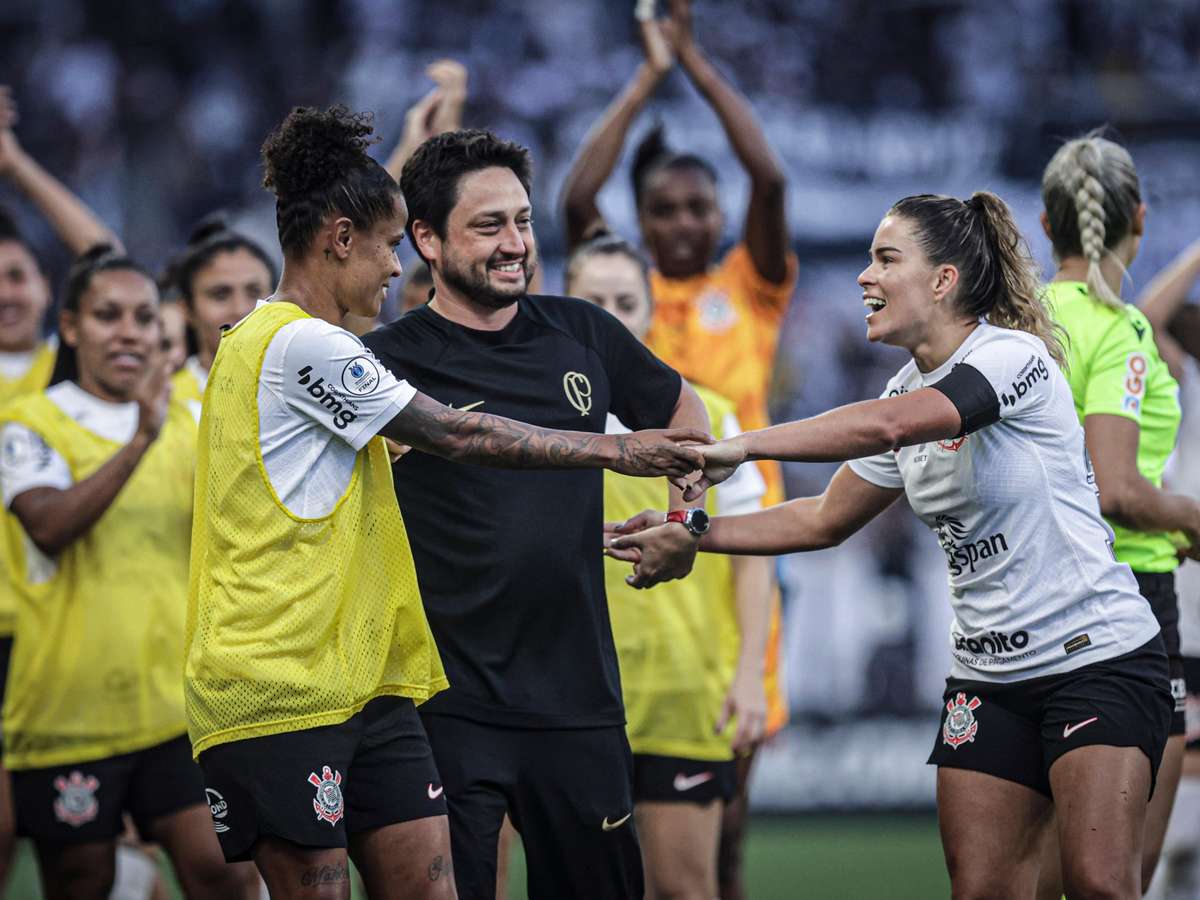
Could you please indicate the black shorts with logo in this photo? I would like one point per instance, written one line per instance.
(1159, 590)
(1016, 731)
(674, 779)
(315, 786)
(79, 803)
(1191, 673)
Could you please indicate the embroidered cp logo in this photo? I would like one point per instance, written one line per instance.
(579, 391)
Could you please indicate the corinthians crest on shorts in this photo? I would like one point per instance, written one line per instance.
(960, 726)
(328, 802)
(76, 803)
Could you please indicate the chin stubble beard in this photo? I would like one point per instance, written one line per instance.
(479, 290)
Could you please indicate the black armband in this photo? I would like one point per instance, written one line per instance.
(972, 395)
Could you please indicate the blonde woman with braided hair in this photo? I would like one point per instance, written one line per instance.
(1127, 402)
(1059, 691)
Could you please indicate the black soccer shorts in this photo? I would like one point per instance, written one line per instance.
(1016, 731)
(674, 779)
(315, 786)
(78, 803)
(1159, 590)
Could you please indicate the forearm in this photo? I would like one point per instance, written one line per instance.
(489, 440)
(789, 527)
(752, 579)
(1140, 506)
(600, 152)
(737, 118)
(55, 518)
(851, 432)
(1167, 291)
(74, 223)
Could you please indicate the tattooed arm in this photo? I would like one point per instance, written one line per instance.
(488, 440)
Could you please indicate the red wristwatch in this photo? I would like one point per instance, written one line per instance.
(694, 520)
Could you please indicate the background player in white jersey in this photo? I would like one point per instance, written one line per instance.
(1058, 690)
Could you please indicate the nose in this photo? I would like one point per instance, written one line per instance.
(512, 242)
(864, 277)
(397, 269)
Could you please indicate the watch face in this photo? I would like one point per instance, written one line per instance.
(697, 522)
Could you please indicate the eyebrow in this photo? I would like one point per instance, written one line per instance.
(499, 213)
(887, 249)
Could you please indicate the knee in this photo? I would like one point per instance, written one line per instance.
(682, 885)
(1101, 883)
(969, 882)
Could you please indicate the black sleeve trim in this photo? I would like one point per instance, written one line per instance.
(972, 395)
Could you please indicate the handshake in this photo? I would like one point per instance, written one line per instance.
(692, 461)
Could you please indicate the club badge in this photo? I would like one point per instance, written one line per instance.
(76, 803)
(960, 724)
(328, 803)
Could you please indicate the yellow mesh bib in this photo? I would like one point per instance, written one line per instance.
(97, 668)
(35, 379)
(184, 386)
(678, 642)
(292, 623)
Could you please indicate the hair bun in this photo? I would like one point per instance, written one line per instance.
(313, 148)
(207, 227)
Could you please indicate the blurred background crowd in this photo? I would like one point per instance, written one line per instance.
(153, 111)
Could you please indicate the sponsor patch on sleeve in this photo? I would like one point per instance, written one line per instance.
(1135, 383)
(1077, 643)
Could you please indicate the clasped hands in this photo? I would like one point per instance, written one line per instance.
(660, 550)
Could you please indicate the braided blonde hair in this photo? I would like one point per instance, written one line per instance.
(1091, 193)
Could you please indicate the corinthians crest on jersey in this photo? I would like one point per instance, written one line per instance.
(960, 726)
(328, 804)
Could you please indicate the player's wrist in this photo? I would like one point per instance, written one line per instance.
(694, 520)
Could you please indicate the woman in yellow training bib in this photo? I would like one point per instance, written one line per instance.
(97, 473)
(219, 274)
(307, 645)
(716, 321)
(1128, 404)
(691, 652)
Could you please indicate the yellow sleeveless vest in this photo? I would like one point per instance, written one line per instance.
(35, 379)
(97, 669)
(678, 642)
(292, 623)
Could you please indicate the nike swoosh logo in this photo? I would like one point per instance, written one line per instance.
(1069, 730)
(686, 783)
(609, 826)
(471, 406)
(433, 795)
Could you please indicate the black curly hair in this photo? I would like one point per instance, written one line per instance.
(211, 237)
(431, 175)
(316, 162)
(653, 154)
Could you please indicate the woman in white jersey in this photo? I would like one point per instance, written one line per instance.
(1058, 691)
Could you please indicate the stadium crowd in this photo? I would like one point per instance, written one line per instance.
(238, 630)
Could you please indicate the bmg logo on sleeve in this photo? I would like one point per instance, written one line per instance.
(319, 390)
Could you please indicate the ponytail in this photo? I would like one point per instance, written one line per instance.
(1091, 193)
(1017, 292)
(997, 276)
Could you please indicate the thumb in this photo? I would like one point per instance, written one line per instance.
(696, 489)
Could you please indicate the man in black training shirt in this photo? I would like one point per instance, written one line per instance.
(509, 562)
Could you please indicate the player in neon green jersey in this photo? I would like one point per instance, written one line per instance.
(1129, 406)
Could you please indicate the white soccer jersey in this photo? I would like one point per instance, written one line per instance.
(1033, 582)
(321, 396)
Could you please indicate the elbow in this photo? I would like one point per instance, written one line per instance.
(771, 182)
(49, 541)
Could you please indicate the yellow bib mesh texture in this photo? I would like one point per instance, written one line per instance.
(98, 665)
(678, 642)
(292, 623)
(33, 380)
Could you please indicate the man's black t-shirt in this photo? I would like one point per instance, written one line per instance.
(509, 561)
